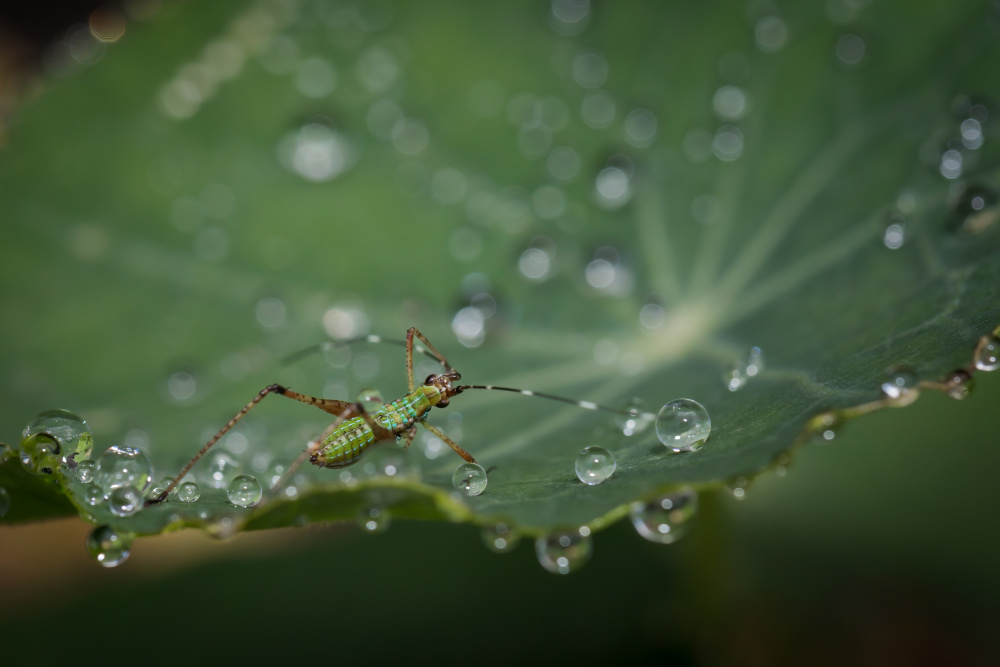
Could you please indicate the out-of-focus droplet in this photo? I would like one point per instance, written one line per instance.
(770, 34)
(500, 538)
(565, 551)
(987, 355)
(108, 547)
(900, 383)
(665, 519)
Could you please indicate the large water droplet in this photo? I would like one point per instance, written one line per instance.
(595, 465)
(683, 425)
(565, 551)
(987, 356)
(500, 538)
(124, 466)
(86, 471)
(638, 418)
(245, 491)
(93, 494)
(108, 547)
(68, 430)
(470, 479)
(124, 500)
(666, 518)
(900, 383)
(188, 492)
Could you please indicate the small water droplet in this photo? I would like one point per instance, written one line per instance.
(470, 479)
(987, 356)
(825, 426)
(728, 143)
(86, 471)
(683, 425)
(565, 551)
(93, 494)
(638, 418)
(976, 210)
(612, 188)
(124, 466)
(958, 384)
(157, 489)
(469, 325)
(188, 492)
(850, 49)
(317, 152)
(595, 465)
(220, 469)
(951, 164)
(640, 128)
(68, 430)
(895, 233)
(730, 103)
(245, 491)
(4, 502)
(124, 500)
(665, 519)
(900, 383)
(738, 486)
(373, 519)
(741, 372)
(500, 538)
(108, 547)
(770, 33)
(598, 109)
(371, 399)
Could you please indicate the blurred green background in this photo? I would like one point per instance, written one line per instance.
(165, 218)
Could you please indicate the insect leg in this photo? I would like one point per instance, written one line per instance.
(327, 405)
(408, 440)
(410, 333)
(451, 443)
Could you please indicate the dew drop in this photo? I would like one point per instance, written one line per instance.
(93, 494)
(665, 519)
(987, 356)
(900, 382)
(157, 489)
(86, 471)
(612, 188)
(565, 551)
(638, 418)
(683, 425)
(220, 469)
(108, 547)
(4, 502)
(741, 372)
(640, 128)
(958, 384)
(188, 492)
(68, 430)
(895, 233)
(951, 164)
(470, 479)
(977, 210)
(825, 426)
(728, 143)
(730, 103)
(738, 486)
(373, 519)
(595, 465)
(39, 454)
(500, 538)
(770, 33)
(124, 466)
(124, 500)
(245, 491)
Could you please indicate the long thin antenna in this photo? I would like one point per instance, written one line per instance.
(586, 405)
(334, 344)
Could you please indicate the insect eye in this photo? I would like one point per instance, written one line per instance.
(458, 376)
(430, 378)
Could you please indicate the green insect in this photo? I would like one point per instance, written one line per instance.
(355, 430)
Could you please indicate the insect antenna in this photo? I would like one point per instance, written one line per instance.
(586, 405)
(334, 344)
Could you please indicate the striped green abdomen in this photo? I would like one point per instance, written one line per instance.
(345, 445)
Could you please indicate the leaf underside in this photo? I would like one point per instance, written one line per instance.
(139, 268)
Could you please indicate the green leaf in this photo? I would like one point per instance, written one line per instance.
(236, 183)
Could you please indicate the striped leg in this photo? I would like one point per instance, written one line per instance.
(451, 443)
(410, 333)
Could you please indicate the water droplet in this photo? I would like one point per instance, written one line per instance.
(665, 519)
(958, 384)
(534, 264)
(157, 489)
(373, 519)
(245, 491)
(39, 454)
(220, 469)
(86, 471)
(188, 492)
(730, 103)
(638, 418)
(741, 372)
(68, 430)
(612, 188)
(825, 426)
(977, 210)
(563, 163)
(640, 128)
(895, 232)
(316, 152)
(469, 326)
(124, 466)
(500, 538)
(108, 547)
(972, 133)
(93, 494)
(470, 479)
(900, 383)
(595, 465)
(683, 425)
(4, 502)
(951, 164)
(697, 144)
(569, 17)
(728, 143)
(987, 356)
(410, 136)
(590, 68)
(738, 486)
(124, 500)
(850, 49)
(564, 552)
(770, 34)
(598, 109)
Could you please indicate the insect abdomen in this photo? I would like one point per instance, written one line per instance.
(345, 445)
